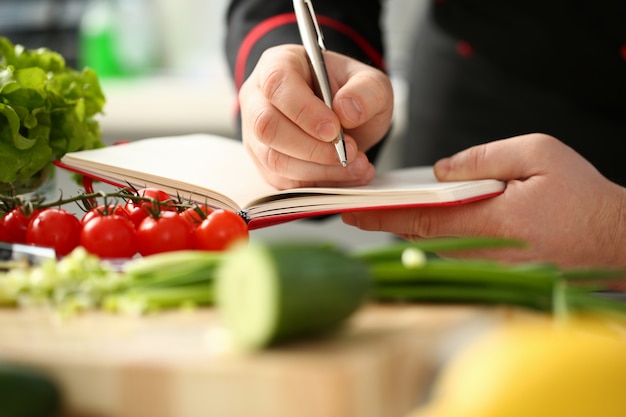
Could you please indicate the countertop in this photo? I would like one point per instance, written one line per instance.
(180, 363)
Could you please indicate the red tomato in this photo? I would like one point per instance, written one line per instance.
(140, 209)
(15, 224)
(219, 230)
(156, 194)
(196, 214)
(136, 212)
(56, 228)
(168, 232)
(101, 210)
(109, 236)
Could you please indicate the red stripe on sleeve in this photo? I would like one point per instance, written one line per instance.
(253, 37)
(369, 50)
(272, 23)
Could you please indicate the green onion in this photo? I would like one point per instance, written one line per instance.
(400, 273)
(438, 245)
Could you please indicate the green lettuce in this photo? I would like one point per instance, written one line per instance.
(46, 110)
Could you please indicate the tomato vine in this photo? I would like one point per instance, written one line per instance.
(119, 224)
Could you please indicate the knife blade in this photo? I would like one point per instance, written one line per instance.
(19, 254)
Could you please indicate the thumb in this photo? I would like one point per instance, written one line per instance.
(505, 159)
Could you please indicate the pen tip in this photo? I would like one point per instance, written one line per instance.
(344, 164)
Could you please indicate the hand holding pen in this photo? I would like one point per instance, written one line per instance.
(288, 129)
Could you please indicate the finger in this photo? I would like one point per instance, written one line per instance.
(428, 222)
(364, 93)
(285, 80)
(266, 124)
(364, 102)
(284, 171)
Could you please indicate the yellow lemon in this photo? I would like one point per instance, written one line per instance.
(577, 369)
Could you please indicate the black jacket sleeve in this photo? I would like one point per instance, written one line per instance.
(351, 27)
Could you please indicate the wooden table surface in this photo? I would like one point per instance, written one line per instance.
(180, 364)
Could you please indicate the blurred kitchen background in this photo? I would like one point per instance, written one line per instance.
(163, 71)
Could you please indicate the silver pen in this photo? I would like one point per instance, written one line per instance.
(313, 42)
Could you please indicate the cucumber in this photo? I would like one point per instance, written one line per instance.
(267, 295)
(25, 392)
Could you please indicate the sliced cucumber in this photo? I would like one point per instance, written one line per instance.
(272, 294)
(26, 392)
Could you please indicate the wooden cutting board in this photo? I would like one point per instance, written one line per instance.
(180, 364)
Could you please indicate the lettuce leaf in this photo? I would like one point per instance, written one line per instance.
(46, 110)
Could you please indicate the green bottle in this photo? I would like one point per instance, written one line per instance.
(97, 39)
(116, 38)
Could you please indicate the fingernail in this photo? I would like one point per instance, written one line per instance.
(351, 109)
(327, 131)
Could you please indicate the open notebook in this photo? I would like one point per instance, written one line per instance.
(218, 171)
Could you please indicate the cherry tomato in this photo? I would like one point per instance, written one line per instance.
(56, 228)
(136, 212)
(219, 230)
(196, 214)
(109, 236)
(155, 194)
(140, 209)
(101, 210)
(15, 224)
(165, 233)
